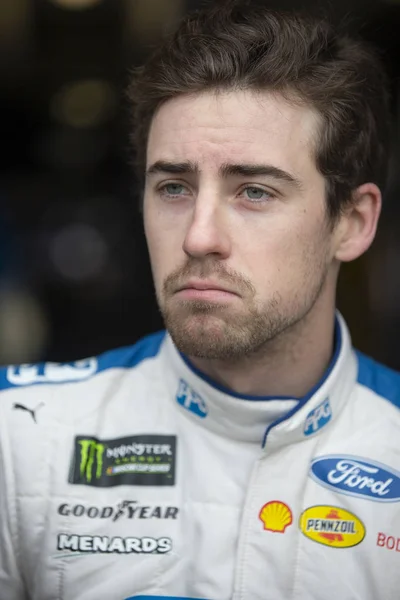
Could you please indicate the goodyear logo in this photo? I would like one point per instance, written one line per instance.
(191, 400)
(276, 516)
(318, 418)
(332, 526)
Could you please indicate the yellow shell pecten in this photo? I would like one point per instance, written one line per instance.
(276, 516)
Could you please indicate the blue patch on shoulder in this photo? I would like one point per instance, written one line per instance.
(379, 378)
(42, 373)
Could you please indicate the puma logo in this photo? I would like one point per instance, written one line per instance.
(29, 410)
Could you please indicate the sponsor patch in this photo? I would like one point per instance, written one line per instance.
(276, 516)
(26, 409)
(133, 460)
(332, 526)
(52, 372)
(357, 477)
(102, 544)
(318, 418)
(191, 400)
(127, 509)
(388, 541)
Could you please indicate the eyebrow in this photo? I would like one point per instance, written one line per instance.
(226, 170)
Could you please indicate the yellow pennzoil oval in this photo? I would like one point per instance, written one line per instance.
(332, 526)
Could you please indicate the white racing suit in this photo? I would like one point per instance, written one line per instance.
(131, 475)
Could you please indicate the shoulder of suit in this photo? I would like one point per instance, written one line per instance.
(20, 376)
(379, 378)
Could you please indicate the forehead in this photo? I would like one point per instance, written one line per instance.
(244, 126)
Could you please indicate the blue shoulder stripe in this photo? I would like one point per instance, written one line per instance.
(41, 373)
(379, 378)
(130, 356)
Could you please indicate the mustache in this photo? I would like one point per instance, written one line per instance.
(207, 269)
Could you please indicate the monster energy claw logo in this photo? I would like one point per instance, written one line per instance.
(91, 453)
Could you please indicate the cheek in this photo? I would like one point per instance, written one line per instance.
(154, 240)
(287, 257)
(163, 246)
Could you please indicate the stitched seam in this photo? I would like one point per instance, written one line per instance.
(299, 536)
(242, 560)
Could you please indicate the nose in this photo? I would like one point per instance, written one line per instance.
(207, 233)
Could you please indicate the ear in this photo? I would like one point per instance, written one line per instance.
(357, 226)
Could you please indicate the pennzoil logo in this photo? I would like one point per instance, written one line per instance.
(276, 516)
(133, 460)
(332, 526)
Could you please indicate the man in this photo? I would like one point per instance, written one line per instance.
(249, 453)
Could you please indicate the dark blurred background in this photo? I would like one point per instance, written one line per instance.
(74, 272)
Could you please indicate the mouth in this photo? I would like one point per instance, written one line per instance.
(205, 290)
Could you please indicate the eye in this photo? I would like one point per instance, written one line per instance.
(256, 194)
(172, 189)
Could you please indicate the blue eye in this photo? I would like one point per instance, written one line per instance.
(172, 189)
(256, 194)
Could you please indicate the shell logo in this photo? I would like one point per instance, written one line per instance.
(332, 526)
(276, 516)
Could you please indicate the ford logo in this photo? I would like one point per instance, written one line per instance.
(355, 476)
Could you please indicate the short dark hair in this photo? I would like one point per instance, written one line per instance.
(234, 45)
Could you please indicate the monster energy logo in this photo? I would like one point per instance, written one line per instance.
(91, 453)
(146, 459)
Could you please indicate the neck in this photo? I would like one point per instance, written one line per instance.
(289, 365)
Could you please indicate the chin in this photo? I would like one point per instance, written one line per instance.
(209, 337)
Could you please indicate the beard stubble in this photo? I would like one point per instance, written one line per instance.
(226, 331)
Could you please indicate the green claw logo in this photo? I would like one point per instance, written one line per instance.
(91, 453)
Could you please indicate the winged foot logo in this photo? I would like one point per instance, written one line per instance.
(355, 476)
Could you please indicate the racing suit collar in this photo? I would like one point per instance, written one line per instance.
(268, 421)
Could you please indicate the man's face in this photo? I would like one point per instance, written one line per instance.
(233, 200)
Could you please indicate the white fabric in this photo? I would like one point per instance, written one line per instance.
(213, 544)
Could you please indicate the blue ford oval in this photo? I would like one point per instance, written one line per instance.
(356, 476)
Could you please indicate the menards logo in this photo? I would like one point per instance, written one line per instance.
(94, 544)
